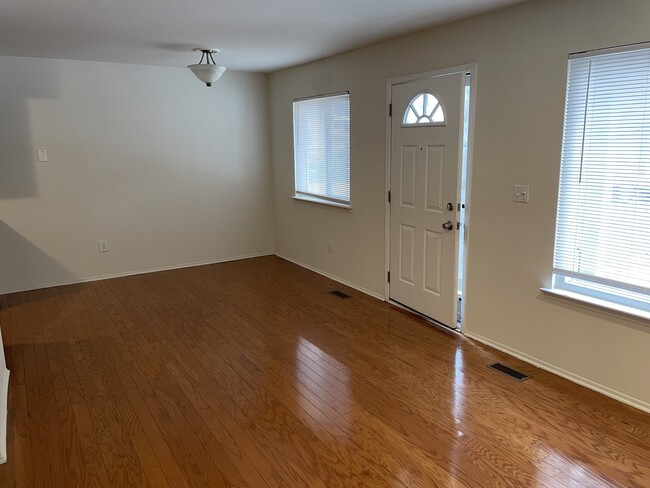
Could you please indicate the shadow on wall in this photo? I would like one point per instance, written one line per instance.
(20, 80)
(25, 266)
(597, 313)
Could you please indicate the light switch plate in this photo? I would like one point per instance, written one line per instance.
(42, 155)
(102, 245)
(520, 194)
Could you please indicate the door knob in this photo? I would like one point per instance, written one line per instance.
(449, 225)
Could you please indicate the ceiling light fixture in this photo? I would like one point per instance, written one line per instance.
(209, 72)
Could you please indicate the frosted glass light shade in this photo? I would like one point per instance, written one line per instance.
(207, 73)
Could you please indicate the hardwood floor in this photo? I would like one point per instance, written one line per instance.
(249, 374)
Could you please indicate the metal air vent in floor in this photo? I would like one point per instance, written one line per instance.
(340, 294)
(502, 368)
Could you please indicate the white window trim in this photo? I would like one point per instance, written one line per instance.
(305, 197)
(602, 303)
(323, 199)
(599, 304)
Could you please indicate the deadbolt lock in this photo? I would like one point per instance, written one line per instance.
(450, 206)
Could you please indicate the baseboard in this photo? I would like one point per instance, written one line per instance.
(334, 277)
(4, 395)
(592, 385)
(137, 272)
(4, 386)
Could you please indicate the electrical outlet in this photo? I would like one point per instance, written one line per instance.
(330, 245)
(520, 194)
(41, 154)
(103, 245)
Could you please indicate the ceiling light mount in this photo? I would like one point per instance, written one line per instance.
(209, 72)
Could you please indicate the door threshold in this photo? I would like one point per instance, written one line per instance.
(426, 318)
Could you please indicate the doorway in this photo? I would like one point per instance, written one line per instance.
(428, 156)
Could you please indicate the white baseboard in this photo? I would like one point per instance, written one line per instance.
(4, 395)
(634, 402)
(334, 277)
(137, 272)
(592, 385)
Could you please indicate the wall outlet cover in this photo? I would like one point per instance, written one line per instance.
(521, 194)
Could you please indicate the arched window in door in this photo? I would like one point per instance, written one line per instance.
(424, 109)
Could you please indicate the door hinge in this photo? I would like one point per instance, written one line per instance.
(390, 109)
(389, 276)
(388, 196)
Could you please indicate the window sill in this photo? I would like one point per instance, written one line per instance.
(611, 307)
(321, 201)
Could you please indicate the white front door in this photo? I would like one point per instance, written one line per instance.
(426, 128)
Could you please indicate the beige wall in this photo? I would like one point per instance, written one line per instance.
(173, 173)
(169, 171)
(522, 55)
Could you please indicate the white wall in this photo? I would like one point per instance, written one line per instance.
(169, 171)
(522, 55)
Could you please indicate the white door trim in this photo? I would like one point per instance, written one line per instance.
(4, 393)
(471, 68)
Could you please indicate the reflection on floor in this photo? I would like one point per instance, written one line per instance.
(251, 374)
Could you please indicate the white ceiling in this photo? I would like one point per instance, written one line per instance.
(253, 35)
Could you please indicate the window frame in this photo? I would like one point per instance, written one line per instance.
(580, 287)
(439, 104)
(315, 197)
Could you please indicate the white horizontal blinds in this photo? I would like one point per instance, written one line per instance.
(603, 222)
(322, 147)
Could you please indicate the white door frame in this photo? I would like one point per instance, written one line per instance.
(466, 68)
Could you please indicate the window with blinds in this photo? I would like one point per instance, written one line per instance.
(321, 141)
(602, 240)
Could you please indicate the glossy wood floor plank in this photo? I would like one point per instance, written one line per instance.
(249, 374)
